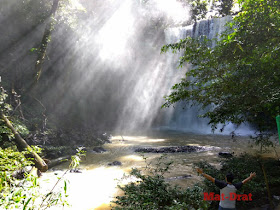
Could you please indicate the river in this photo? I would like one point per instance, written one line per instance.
(96, 186)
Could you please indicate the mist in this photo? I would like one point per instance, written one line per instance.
(104, 69)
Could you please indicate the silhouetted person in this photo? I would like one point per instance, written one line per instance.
(228, 190)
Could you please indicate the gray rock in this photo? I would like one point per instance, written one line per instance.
(99, 150)
(173, 149)
(115, 163)
(179, 177)
(75, 170)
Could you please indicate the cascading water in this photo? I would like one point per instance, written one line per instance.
(184, 117)
(143, 106)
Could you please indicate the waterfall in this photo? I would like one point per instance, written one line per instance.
(184, 117)
(211, 28)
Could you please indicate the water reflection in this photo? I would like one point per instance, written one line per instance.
(91, 188)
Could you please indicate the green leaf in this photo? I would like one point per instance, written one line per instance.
(25, 205)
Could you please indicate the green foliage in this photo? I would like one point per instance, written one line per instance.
(12, 160)
(225, 7)
(37, 149)
(151, 191)
(198, 9)
(76, 159)
(68, 12)
(241, 167)
(3, 96)
(264, 141)
(24, 193)
(33, 49)
(18, 125)
(238, 79)
(218, 8)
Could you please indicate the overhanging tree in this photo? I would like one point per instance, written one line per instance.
(239, 79)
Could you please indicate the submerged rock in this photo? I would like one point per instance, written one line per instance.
(179, 177)
(226, 154)
(172, 149)
(75, 170)
(115, 163)
(99, 150)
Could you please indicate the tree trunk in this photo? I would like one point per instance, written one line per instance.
(21, 144)
(267, 186)
(42, 51)
(44, 44)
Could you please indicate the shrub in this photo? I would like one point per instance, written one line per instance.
(151, 191)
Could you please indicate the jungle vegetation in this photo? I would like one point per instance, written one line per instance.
(237, 80)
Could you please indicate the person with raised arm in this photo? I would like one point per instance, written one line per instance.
(228, 190)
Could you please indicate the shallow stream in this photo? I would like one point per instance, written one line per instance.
(95, 187)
